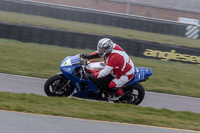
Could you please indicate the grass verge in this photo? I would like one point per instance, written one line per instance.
(123, 113)
(11, 17)
(43, 61)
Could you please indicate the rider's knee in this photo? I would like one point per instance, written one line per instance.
(112, 84)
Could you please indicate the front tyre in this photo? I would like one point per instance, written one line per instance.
(58, 85)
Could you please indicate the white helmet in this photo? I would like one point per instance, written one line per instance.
(104, 47)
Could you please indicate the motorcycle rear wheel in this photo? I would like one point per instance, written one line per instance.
(137, 92)
(58, 85)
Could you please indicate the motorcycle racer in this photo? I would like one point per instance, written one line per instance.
(118, 64)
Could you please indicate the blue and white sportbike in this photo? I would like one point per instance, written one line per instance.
(74, 81)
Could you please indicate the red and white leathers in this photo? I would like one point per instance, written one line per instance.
(119, 65)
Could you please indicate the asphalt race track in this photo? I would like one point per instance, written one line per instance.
(15, 122)
(12, 122)
(22, 84)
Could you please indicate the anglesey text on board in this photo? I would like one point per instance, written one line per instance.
(172, 55)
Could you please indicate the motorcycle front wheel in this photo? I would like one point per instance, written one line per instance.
(58, 85)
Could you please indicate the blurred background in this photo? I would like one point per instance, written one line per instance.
(175, 18)
(168, 10)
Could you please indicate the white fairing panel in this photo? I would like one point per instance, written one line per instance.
(96, 65)
(66, 63)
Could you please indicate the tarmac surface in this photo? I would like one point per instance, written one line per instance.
(15, 122)
(23, 84)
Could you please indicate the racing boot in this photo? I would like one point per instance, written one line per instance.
(118, 93)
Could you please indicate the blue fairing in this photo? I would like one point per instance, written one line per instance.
(70, 63)
(68, 70)
(140, 75)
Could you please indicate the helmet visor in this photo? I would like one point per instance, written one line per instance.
(101, 51)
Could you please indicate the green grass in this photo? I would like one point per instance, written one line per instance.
(43, 61)
(124, 113)
(11, 17)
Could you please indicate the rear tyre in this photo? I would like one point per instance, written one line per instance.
(58, 85)
(135, 93)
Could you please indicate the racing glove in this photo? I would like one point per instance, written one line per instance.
(84, 56)
(89, 76)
